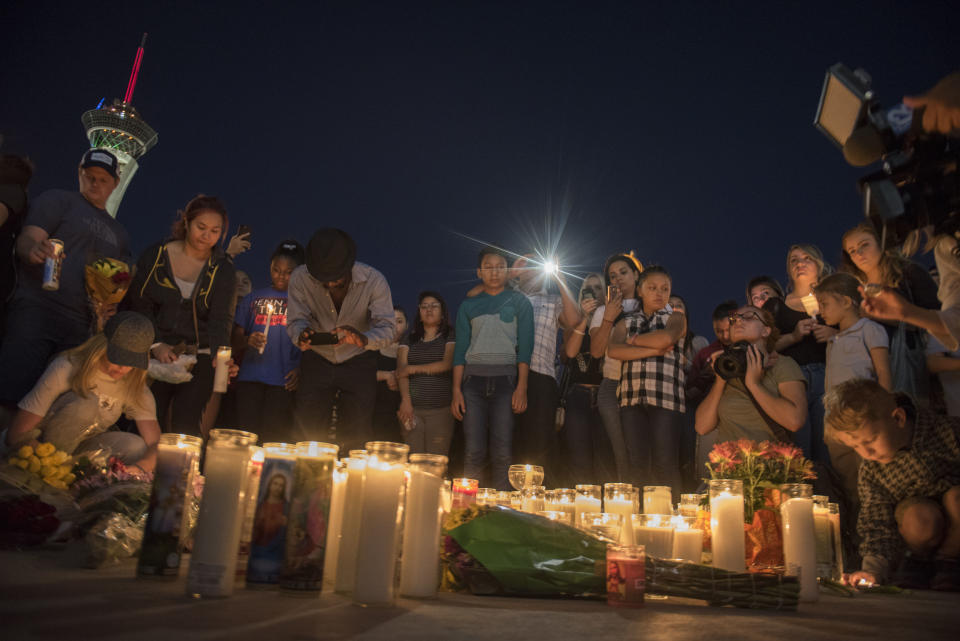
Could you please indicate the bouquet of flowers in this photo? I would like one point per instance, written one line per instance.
(763, 468)
(107, 282)
(498, 551)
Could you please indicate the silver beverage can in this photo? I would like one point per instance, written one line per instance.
(52, 266)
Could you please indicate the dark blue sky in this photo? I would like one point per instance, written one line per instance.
(680, 130)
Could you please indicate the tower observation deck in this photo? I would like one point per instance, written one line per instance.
(120, 129)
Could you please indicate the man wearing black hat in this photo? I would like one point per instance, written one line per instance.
(340, 313)
(41, 323)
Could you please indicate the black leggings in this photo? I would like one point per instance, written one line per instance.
(180, 407)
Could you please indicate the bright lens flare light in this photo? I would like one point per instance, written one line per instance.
(551, 268)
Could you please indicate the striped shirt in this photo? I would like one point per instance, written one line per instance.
(546, 312)
(429, 391)
(657, 381)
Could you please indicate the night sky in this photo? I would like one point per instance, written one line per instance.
(679, 130)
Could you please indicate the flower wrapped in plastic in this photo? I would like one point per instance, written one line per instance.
(107, 281)
(498, 551)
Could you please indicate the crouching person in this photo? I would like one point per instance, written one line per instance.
(909, 485)
(83, 391)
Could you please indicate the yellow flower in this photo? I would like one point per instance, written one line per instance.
(25, 452)
(45, 449)
(22, 464)
(34, 464)
(64, 470)
(49, 471)
(69, 478)
(59, 457)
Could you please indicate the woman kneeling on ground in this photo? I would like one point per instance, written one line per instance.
(81, 394)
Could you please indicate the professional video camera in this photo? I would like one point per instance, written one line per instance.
(918, 183)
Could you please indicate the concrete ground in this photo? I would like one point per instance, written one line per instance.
(44, 596)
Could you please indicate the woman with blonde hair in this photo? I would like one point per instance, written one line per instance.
(803, 337)
(864, 257)
(83, 391)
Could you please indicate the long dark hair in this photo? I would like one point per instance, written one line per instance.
(194, 208)
(443, 331)
(631, 262)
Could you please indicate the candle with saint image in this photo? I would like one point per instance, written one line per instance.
(266, 328)
(380, 517)
(221, 375)
(799, 537)
(213, 562)
(588, 500)
(465, 492)
(655, 533)
(621, 498)
(271, 514)
(726, 524)
(246, 534)
(420, 560)
(687, 540)
(350, 524)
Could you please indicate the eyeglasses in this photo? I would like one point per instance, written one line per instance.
(426, 306)
(746, 316)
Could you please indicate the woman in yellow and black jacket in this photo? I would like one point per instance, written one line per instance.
(185, 285)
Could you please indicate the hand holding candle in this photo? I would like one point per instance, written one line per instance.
(266, 328)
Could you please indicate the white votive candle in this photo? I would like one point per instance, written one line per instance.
(726, 524)
(350, 523)
(420, 559)
(799, 537)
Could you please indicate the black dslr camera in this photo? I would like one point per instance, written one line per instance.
(732, 363)
(918, 183)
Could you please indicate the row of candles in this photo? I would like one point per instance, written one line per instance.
(295, 516)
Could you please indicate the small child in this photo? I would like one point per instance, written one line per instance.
(858, 350)
(909, 485)
(491, 363)
(861, 348)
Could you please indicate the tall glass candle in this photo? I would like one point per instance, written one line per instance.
(626, 573)
(163, 537)
(621, 498)
(824, 536)
(309, 514)
(420, 560)
(380, 523)
(726, 524)
(655, 533)
(350, 527)
(799, 537)
(657, 499)
(221, 375)
(246, 532)
(588, 500)
(213, 563)
(332, 553)
(687, 540)
(269, 539)
(834, 516)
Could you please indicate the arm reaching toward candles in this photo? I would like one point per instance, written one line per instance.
(150, 432)
(405, 411)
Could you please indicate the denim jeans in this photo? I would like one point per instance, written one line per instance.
(810, 437)
(588, 452)
(488, 418)
(653, 445)
(609, 407)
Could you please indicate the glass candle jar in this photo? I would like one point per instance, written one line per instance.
(726, 524)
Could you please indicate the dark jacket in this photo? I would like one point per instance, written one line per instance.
(154, 293)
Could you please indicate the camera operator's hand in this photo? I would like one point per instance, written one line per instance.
(754, 374)
(887, 304)
(941, 105)
(711, 360)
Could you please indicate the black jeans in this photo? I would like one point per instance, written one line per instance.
(536, 428)
(320, 380)
(266, 410)
(180, 407)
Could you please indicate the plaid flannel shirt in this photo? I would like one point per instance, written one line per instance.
(656, 381)
(546, 312)
(926, 469)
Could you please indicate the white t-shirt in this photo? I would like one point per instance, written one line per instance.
(111, 394)
(950, 381)
(611, 366)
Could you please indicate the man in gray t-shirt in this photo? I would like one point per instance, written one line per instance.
(41, 323)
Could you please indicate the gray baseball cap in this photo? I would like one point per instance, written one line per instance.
(129, 337)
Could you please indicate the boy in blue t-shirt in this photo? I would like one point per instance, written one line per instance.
(491, 363)
(271, 362)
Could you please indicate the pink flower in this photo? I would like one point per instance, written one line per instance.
(785, 451)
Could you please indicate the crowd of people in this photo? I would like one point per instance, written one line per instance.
(602, 383)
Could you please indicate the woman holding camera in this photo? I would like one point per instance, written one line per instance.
(768, 399)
